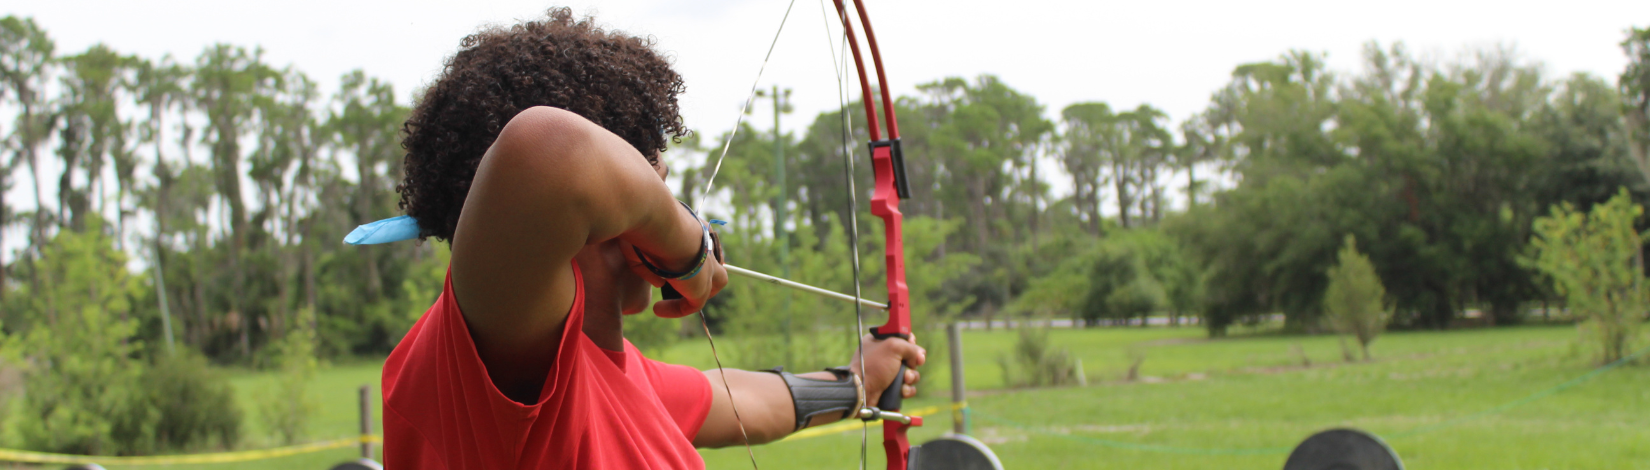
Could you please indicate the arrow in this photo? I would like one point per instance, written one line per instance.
(801, 287)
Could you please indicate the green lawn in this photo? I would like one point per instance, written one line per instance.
(1201, 399)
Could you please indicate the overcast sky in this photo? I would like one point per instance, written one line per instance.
(1171, 54)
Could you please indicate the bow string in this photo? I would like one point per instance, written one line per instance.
(888, 168)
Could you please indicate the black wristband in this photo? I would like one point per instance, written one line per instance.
(705, 247)
(815, 397)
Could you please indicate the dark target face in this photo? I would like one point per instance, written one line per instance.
(954, 452)
(1343, 449)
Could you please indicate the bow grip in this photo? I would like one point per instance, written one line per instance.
(891, 397)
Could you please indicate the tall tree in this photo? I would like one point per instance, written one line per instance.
(1439, 169)
(1136, 149)
(26, 55)
(1587, 155)
(1201, 143)
(288, 143)
(1279, 111)
(978, 135)
(93, 134)
(227, 84)
(818, 166)
(367, 122)
(159, 86)
(1634, 84)
(1130, 148)
(1085, 126)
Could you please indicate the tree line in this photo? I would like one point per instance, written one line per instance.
(232, 180)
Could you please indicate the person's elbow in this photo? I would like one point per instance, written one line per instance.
(540, 140)
(543, 154)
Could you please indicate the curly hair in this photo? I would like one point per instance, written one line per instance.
(615, 80)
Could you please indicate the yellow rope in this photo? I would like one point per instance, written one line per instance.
(10, 455)
(845, 426)
(24, 456)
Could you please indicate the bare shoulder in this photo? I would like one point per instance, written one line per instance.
(546, 118)
(537, 129)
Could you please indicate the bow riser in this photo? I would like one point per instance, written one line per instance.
(885, 204)
(894, 441)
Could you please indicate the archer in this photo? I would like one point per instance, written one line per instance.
(535, 153)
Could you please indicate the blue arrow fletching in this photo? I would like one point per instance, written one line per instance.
(393, 229)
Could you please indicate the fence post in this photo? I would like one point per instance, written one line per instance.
(366, 421)
(959, 417)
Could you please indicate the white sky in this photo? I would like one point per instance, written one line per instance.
(1171, 54)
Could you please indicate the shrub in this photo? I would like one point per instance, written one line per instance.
(196, 406)
(1136, 356)
(1129, 274)
(1595, 260)
(425, 281)
(82, 384)
(1036, 362)
(85, 388)
(287, 406)
(1355, 302)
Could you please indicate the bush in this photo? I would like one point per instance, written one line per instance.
(1036, 362)
(287, 407)
(425, 281)
(1129, 274)
(1595, 260)
(1355, 302)
(85, 388)
(196, 406)
(82, 384)
(1136, 356)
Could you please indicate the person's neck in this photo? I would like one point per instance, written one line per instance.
(603, 301)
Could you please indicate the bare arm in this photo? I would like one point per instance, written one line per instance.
(550, 184)
(764, 402)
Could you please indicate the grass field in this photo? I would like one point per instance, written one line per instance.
(1237, 402)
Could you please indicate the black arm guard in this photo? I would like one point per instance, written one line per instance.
(814, 397)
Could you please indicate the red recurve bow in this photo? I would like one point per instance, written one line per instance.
(888, 165)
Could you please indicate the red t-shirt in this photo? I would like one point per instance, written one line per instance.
(598, 409)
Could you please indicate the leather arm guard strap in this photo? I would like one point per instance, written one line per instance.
(813, 397)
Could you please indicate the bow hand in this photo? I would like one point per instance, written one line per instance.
(887, 360)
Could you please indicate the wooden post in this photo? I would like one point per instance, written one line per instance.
(366, 421)
(959, 419)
